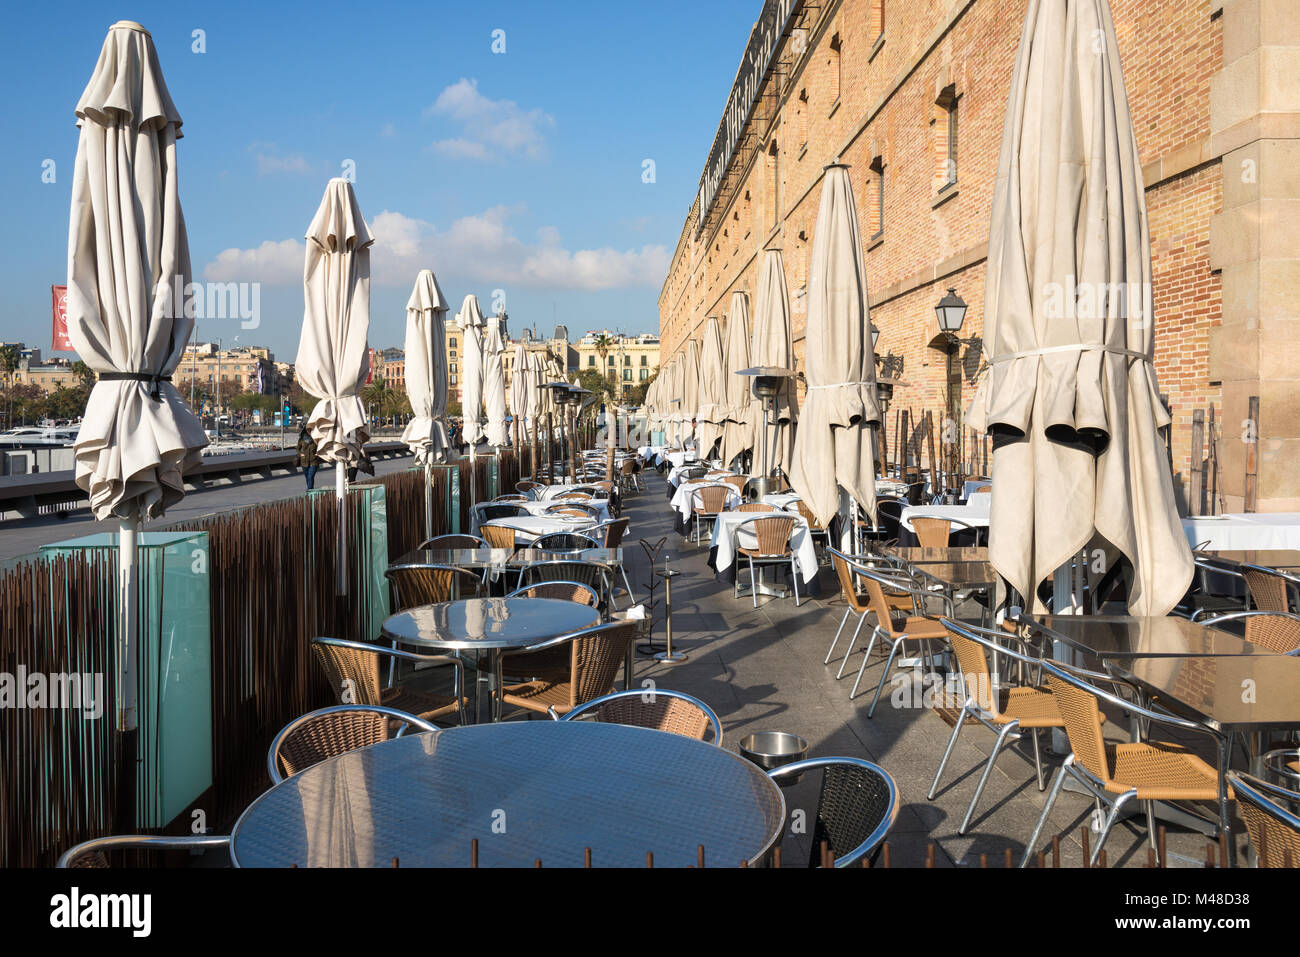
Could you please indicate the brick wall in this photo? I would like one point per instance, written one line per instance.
(890, 86)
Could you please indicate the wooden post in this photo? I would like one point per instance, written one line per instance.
(1252, 455)
(884, 445)
(1196, 473)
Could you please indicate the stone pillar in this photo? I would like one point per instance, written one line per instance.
(1255, 241)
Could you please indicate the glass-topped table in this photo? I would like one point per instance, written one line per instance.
(525, 791)
(481, 558)
(484, 627)
(1122, 636)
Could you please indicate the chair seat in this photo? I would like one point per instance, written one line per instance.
(917, 627)
(552, 664)
(539, 695)
(756, 553)
(1161, 772)
(422, 704)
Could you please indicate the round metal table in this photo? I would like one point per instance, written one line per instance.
(526, 791)
(484, 627)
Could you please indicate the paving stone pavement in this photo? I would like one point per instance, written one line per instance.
(761, 669)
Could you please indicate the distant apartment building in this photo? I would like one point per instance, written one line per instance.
(625, 361)
(249, 368)
(47, 376)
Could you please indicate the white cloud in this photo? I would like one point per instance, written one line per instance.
(272, 263)
(489, 128)
(473, 249)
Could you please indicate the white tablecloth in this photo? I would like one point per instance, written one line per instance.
(980, 500)
(678, 458)
(534, 508)
(675, 475)
(529, 527)
(1245, 531)
(681, 500)
(977, 515)
(971, 485)
(724, 540)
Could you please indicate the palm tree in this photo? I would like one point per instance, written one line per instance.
(603, 346)
(10, 356)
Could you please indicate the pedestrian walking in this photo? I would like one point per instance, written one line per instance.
(307, 456)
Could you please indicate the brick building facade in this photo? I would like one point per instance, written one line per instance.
(912, 98)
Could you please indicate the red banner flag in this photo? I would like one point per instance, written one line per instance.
(59, 340)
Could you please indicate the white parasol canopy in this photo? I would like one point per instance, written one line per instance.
(426, 369)
(471, 323)
(333, 358)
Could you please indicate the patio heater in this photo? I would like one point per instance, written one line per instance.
(576, 398)
(767, 385)
(559, 393)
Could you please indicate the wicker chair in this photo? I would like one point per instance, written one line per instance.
(1274, 830)
(574, 509)
(816, 529)
(353, 671)
(737, 482)
(563, 541)
(1013, 710)
(1115, 774)
(1268, 589)
(415, 585)
(509, 497)
(454, 541)
(1277, 631)
(756, 507)
(857, 807)
(94, 853)
(1283, 765)
(891, 626)
(659, 709)
(630, 471)
(594, 576)
(936, 532)
(527, 488)
(707, 502)
(332, 731)
(596, 654)
(771, 547)
(552, 663)
(611, 533)
(856, 601)
(492, 511)
(498, 536)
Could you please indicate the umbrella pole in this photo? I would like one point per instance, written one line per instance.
(473, 492)
(428, 496)
(341, 494)
(128, 553)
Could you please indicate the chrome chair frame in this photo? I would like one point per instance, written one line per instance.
(853, 563)
(273, 753)
(1096, 787)
(602, 569)
(596, 703)
(537, 543)
(430, 543)
(792, 559)
(522, 592)
(1270, 799)
(990, 639)
(396, 654)
(881, 831)
(697, 493)
(140, 841)
(1253, 613)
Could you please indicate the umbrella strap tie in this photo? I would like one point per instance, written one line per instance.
(1072, 347)
(154, 393)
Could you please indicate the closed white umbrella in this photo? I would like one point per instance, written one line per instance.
(494, 382)
(690, 391)
(426, 381)
(834, 447)
(1071, 395)
(773, 346)
(333, 358)
(471, 323)
(520, 394)
(128, 267)
(426, 369)
(712, 394)
(742, 414)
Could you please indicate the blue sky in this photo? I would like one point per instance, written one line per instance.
(519, 171)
